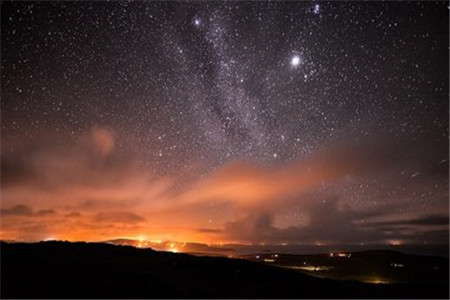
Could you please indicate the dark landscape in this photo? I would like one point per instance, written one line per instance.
(96, 270)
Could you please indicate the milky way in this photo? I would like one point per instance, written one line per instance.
(180, 93)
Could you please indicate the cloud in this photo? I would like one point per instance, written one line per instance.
(118, 217)
(14, 171)
(87, 170)
(330, 225)
(102, 141)
(18, 210)
(45, 212)
(100, 192)
(209, 231)
(428, 220)
(249, 185)
(73, 215)
(50, 165)
(24, 210)
(327, 223)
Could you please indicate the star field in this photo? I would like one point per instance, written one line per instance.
(181, 90)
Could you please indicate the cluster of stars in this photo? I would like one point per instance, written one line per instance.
(207, 83)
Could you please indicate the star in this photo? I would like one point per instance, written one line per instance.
(295, 61)
(316, 9)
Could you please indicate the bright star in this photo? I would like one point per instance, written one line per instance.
(197, 22)
(316, 9)
(295, 61)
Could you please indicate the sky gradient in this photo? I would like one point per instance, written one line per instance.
(247, 122)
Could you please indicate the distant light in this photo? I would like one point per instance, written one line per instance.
(376, 280)
(311, 268)
(396, 265)
(341, 254)
(395, 242)
(197, 22)
(344, 255)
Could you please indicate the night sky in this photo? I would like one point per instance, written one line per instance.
(248, 122)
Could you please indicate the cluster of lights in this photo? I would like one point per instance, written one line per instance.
(311, 268)
(272, 258)
(397, 265)
(341, 254)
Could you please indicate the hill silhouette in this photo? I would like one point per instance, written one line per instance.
(96, 270)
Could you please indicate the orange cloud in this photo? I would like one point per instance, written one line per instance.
(102, 140)
(89, 191)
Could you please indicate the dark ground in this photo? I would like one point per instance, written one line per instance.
(367, 266)
(90, 270)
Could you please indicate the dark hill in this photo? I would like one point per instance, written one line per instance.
(92, 270)
(381, 266)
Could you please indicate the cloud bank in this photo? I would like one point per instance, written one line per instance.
(89, 190)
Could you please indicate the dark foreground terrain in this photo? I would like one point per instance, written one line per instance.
(375, 266)
(89, 270)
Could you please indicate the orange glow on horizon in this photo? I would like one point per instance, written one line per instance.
(237, 203)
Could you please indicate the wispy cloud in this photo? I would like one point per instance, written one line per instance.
(89, 190)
